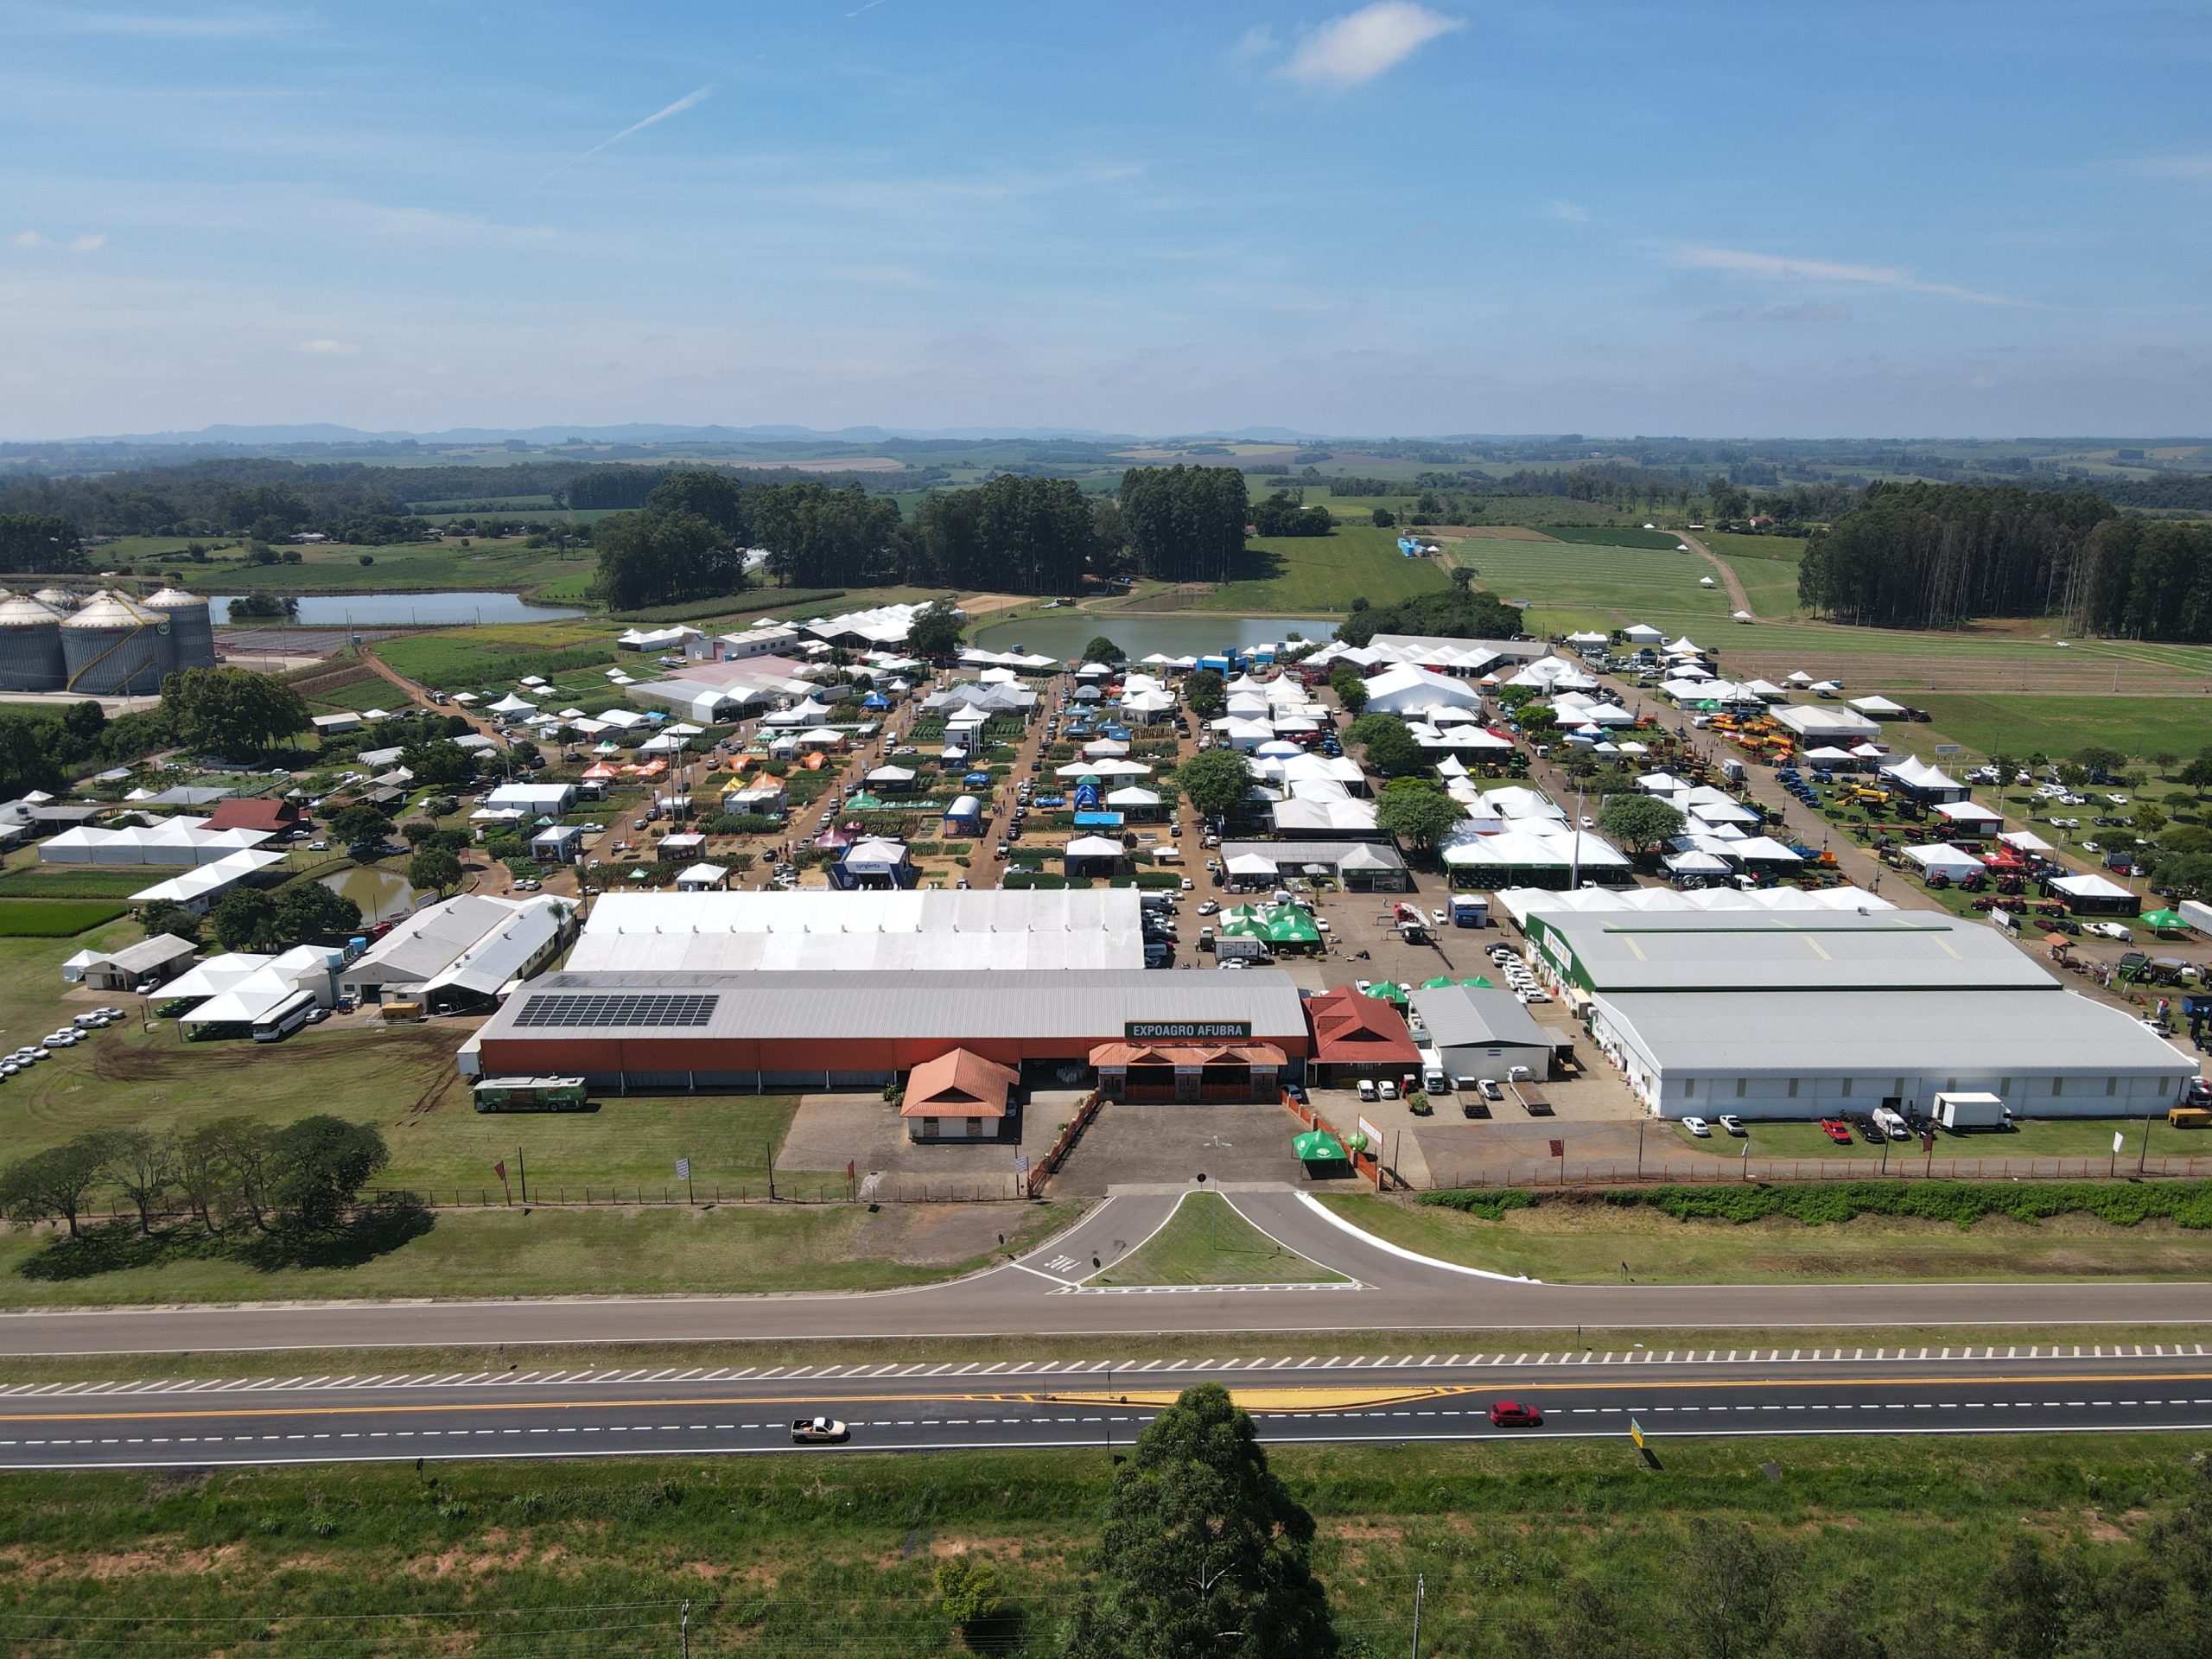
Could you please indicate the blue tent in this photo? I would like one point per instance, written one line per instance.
(875, 700)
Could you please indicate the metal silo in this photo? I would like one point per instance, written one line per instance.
(60, 601)
(115, 648)
(191, 635)
(30, 647)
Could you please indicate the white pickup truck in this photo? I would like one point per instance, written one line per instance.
(819, 1430)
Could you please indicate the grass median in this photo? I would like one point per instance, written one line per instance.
(1593, 1242)
(1205, 1242)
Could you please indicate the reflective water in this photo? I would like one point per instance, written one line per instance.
(408, 610)
(383, 894)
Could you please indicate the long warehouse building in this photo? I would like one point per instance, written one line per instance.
(1149, 1034)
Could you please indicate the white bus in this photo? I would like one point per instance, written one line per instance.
(285, 1018)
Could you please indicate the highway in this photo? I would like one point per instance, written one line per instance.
(249, 1420)
(1047, 1292)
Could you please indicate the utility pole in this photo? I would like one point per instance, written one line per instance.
(1420, 1591)
(684, 1630)
(522, 1175)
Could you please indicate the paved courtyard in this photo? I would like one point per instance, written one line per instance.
(829, 1129)
(1147, 1142)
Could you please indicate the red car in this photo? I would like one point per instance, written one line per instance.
(1512, 1413)
(1836, 1130)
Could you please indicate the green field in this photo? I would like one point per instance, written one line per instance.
(1568, 585)
(539, 1250)
(1590, 1243)
(367, 689)
(1662, 540)
(26, 878)
(53, 919)
(1304, 576)
(1767, 566)
(414, 566)
(2026, 724)
(1549, 1548)
(1205, 1242)
(497, 654)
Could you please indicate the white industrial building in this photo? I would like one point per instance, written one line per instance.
(201, 886)
(465, 951)
(129, 966)
(863, 931)
(1806, 1054)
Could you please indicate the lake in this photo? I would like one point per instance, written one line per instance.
(383, 895)
(408, 610)
(1178, 633)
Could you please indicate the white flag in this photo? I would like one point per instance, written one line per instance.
(2118, 1139)
(684, 1169)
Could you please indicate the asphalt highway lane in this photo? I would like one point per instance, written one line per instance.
(1045, 1294)
(261, 1422)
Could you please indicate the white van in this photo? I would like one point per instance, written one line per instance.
(1367, 1088)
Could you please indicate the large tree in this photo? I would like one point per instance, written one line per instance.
(935, 633)
(144, 1165)
(307, 910)
(434, 869)
(230, 710)
(1205, 693)
(1639, 822)
(246, 920)
(55, 1182)
(662, 558)
(1206, 1554)
(1417, 810)
(1103, 650)
(320, 1163)
(1215, 782)
(1389, 747)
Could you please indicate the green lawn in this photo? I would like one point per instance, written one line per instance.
(53, 919)
(1205, 1242)
(2022, 724)
(1314, 575)
(459, 658)
(1511, 1543)
(1569, 585)
(1767, 566)
(26, 878)
(1664, 541)
(541, 1251)
(1579, 1243)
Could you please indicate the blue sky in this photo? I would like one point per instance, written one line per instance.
(1695, 219)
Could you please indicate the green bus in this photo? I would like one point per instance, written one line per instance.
(532, 1095)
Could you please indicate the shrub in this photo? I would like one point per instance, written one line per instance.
(2186, 1204)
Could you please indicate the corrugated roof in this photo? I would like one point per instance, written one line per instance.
(1800, 1034)
(1464, 1016)
(1706, 951)
(960, 1006)
(431, 940)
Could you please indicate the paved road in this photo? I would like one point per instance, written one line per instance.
(1045, 1294)
(920, 1408)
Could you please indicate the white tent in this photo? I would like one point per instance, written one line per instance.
(1094, 847)
(1879, 707)
(2024, 841)
(1251, 864)
(1697, 863)
(511, 704)
(1940, 858)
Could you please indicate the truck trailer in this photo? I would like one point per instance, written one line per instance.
(1969, 1111)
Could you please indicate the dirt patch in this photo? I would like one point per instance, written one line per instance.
(102, 1566)
(938, 1235)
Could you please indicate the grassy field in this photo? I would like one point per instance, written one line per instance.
(1593, 1244)
(2059, 725)
(537, 1250)
(407, 566)
(1664, 541)
(1314, 575)
(26, 878)
(1767, 566)
(53, 919)
(836, 1554)
(1570, 585)
(497, 654)
(1207, 1242)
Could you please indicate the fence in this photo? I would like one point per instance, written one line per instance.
(1056, 1155)
(1908, 1167)
(1366, 1164)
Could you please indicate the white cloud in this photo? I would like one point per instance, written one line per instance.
(1353, 49)
(690, 100)
(26, 239)
(92, 242)
(1255, 42)
(328, 348)
(1743, 262)
(1573, 212)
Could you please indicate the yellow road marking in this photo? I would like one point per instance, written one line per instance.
(1335, 1397)
(1260, 1400)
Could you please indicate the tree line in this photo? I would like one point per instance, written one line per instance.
(40, 542)
(1923, 555)
(1460, 612)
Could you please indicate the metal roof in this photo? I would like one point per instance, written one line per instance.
(1464, 1016)
(958, 1007)
(434, 938)
(1738, 951)
(1295, 855)
(1802, 1033)
(861, 931)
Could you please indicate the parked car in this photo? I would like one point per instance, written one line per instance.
(1733, 1124)
(1366, 1090)
(1388, 1088)
(1836, 1130)
(1698, 1126)
(1490, 1089)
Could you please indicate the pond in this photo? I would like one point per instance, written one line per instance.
(383, 895)
(408, 610)
(1180, 633)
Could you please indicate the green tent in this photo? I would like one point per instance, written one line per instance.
(2165, 920)
(1276, 923)
(1390, 990)
(863, 802)
(1444, 982)
(1319, 1147)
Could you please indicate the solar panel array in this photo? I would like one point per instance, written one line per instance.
(615, 1008)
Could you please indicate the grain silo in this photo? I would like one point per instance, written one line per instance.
(60, 601)
(30, 646)
(192, 636)
(114, 647)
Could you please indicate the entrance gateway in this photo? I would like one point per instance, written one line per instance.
(1188, 1070)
